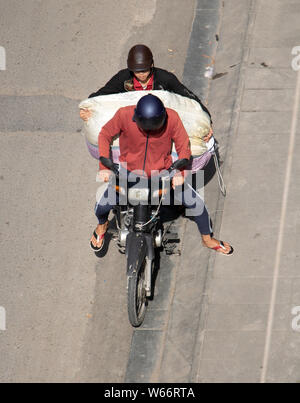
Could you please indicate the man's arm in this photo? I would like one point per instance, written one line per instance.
(182, 146)
(181, 139)
(174, 85)
(114, 86)
(111, 129)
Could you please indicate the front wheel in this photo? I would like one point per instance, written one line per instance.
(136, 296)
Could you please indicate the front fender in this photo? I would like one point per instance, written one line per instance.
(138, 246)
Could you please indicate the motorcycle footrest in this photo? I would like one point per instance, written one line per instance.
(171, 237)
(172, 250)
(171, 244)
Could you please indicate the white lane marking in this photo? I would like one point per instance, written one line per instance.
(281, 231)
(2, 318)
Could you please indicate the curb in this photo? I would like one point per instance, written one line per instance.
(226, 168)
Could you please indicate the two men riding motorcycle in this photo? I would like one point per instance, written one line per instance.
(146, 132)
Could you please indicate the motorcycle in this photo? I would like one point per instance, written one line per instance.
(140, 232)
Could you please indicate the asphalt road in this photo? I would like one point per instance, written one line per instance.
(63, 314)
(66, 315)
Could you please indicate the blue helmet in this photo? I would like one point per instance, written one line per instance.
(150, 113)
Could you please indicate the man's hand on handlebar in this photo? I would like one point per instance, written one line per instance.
(104, 175)
(178, 180)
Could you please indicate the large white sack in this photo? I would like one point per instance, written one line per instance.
(195, 120)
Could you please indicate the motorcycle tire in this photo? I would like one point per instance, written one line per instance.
(136, 296)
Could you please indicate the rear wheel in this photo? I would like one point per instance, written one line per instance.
(136, 296)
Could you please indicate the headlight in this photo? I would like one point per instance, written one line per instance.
(138, 195)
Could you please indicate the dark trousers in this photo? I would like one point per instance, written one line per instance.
(194, 207)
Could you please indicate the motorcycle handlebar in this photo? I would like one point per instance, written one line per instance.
(179, 164)
(108, 163)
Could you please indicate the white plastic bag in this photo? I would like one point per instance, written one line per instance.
(195, 120)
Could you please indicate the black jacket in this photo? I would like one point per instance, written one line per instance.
(163, 80)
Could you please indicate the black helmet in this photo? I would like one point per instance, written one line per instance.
(140, 58)
(150, 113)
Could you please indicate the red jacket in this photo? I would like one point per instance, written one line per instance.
(139, 150)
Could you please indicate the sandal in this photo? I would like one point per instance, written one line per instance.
(99, 238)
(221, 246)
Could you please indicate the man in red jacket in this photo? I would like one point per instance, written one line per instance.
(146, 133)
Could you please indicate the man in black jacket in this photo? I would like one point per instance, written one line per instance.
(142, 75)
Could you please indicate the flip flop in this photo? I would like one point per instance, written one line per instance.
(221, 246)
(98, 238)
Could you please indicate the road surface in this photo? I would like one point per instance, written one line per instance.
(66, 314)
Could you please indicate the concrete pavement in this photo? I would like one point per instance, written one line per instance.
(247, 332)
(236, 319)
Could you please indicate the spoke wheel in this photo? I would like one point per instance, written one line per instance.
(136, 297)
